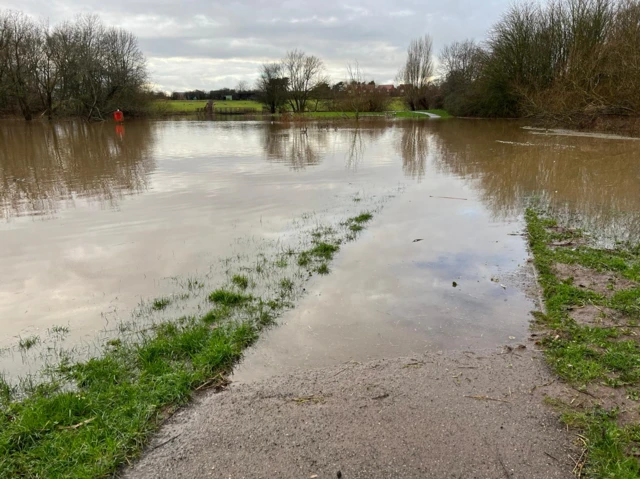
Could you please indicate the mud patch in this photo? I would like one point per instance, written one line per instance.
(605, 284)
(591, 315)
(596, 395)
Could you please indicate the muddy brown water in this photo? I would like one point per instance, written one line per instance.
(94, 222)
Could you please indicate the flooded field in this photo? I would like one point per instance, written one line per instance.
(96, 223)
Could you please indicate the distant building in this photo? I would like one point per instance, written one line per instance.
(388, 89)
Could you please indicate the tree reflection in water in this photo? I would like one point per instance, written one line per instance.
(44, 166)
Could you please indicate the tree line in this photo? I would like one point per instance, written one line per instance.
(569, 61)
(298, 83)
(566, 61)
(79, 67)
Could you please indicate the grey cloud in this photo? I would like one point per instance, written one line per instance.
(204, 44)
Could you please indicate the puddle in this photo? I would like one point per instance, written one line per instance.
(94, 223)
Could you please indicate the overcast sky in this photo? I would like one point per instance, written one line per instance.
(210, 44)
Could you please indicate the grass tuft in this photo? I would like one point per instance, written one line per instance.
(286, 285)
(228, 298)
(241, 281)
(323, 269)
(361, 218)
(324, 250)
(160, 304)
(27, 343)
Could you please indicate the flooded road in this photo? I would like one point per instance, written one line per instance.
(94, 222)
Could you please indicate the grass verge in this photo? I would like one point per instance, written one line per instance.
(419, 116)
(589, 332)
(88, 418)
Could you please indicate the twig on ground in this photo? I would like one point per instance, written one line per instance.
(76, 426)
(486, 398)
(382, 396)
(164, 443)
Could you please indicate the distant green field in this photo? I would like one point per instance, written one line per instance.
(337, 114)
(193, 105)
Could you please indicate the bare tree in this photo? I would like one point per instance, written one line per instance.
(356, 95)
(80, 67)
(305, 72)
(272, 86)
(4, 57)
(461, 59)
(242, 86)
(417, 71)
(22, 44)
(113, 67)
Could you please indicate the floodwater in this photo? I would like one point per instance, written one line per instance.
(95, 220)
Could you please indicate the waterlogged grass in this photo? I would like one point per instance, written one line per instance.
(324, 250)
(225, 297)
(241, 281)
(118, 401)
(361, 218)
(27, 343)
(90, 417)
(592, 356)
(356, 224)
(160, 303)
(286, 285)
(282, 262)
(323, 269)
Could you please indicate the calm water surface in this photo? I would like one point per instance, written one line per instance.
(95, 221)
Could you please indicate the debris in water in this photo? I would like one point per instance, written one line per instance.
(448, 198)
(455, 285)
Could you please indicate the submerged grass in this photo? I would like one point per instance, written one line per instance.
(117, 401)
(27, 343)
(241, 281)
(90, 417)
(323, 250)
(587, 355)
(225, 297)
(160, 303)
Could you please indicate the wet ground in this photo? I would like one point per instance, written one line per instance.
(461, 414)
(95, 221)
